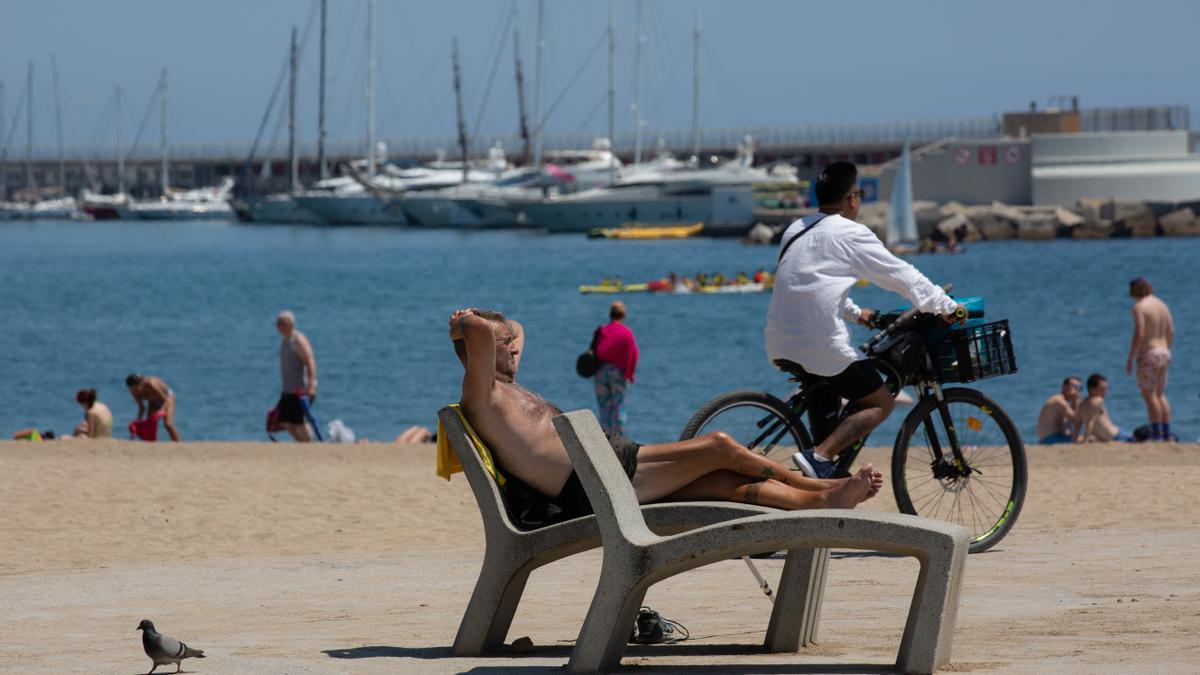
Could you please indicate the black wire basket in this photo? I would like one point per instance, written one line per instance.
(975, 353)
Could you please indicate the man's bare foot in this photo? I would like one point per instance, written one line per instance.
(856, 490)
(876, 481)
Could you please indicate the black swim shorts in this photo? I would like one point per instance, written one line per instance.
(858, 380)
(290, 409)
(572, 499)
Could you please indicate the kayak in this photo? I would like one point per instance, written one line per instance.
(614, 288)
(734, 288)
(635, 231)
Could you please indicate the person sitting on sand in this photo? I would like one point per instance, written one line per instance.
(516, 424)
(1056, 421)
(415, 434)
(97, 418)
(1092, 423)
(153, 395)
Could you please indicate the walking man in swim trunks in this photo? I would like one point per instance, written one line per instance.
(153, 395)
(1056, 421)
(298, 372)
(1153, 333)
(810, 303)
(1092, 423)
(516, 424)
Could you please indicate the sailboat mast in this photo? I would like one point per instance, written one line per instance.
(162, 99)
(462, 125)
(640, 39)
(120, 145)
(539, 83)
(612, 95)
(524, 122)
(370, 87)
(29, 128)
(3, 150)
(293, 159)
(321, 164)
(62, 162)
(696, 88)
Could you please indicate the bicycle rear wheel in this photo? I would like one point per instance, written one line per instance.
(755, 419)
(986, 495)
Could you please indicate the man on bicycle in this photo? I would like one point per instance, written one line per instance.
(811, 302)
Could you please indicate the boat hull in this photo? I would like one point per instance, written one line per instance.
(272, 209)
(362, 209)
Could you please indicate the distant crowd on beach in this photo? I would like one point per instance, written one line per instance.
(1070, 417)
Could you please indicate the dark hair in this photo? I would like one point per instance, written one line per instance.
(1140, 287)
(835, 182)
(133, 380)
(1067, 380)
(1095, 380)
(86, 397)
(617, 311)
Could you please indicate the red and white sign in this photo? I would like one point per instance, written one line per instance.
(987, 155)
(962, 155)
(1012, 154)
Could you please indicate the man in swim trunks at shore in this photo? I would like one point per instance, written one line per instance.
(1153, 333)
(1092, 423)
(1056, 421)
(152, 395)
(516, 424)
(298, 374)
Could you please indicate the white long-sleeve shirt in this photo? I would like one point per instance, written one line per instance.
(811, 298)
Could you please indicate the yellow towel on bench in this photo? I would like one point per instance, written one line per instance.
(447, 461)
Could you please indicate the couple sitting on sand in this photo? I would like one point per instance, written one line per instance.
(516, 424)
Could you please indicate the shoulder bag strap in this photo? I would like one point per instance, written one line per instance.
(799, 234)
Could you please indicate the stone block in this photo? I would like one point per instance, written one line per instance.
(1037, 225)
(1180, 223)
(1099, 229)
(1090, 208)
(1139, 223)
(951, 209)
(959, 227)
(992, 224)
(1124, 209)
(1067, 218)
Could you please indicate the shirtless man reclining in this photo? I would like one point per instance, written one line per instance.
(516, 424)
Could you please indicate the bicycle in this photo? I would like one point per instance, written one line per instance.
(957, 456)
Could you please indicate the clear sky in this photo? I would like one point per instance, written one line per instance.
(764, 62)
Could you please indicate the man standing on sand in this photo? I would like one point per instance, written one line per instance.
(1092, 423)
(153, 396)
(517, 426)
(1056, 422)
(1153, 333)
(298, 372)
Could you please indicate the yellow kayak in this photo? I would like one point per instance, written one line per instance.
(613, 288)
(635, 231)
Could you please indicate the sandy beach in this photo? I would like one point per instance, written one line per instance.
(356, 558)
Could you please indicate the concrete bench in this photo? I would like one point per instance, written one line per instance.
(511, 554)
(635, 557)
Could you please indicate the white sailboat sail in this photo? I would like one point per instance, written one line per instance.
(902, 222)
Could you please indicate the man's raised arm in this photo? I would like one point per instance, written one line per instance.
(478, 352)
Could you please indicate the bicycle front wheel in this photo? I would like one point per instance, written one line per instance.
(984, 493)
(755, 419)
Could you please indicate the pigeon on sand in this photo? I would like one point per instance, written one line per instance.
(163, 649)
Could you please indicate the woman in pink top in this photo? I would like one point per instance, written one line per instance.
(617, 353)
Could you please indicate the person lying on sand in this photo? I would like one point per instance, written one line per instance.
(516, 424)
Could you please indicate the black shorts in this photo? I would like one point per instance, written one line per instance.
(572, 499)
(858, 380)
(291, 411)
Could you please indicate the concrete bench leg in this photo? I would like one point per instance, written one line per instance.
(929, 630)
(797, 610)
(606, 629)
(493, 603)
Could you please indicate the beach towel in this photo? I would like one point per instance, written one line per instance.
(147, 429)
(447, 461)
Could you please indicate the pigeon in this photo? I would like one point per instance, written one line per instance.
(163, 649)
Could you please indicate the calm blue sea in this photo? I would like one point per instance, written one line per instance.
(85, 303)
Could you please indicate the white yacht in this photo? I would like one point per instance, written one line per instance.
(60, 208)
(198, 204)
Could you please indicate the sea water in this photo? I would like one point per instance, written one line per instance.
(85, 303)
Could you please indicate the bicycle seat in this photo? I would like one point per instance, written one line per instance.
(794, 369)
